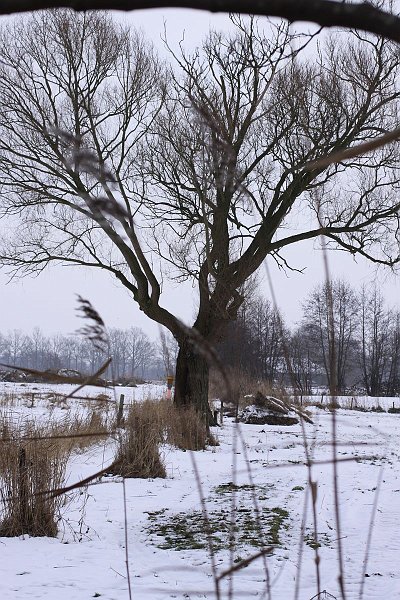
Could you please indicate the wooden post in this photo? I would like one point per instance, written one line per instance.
(120, 410)
(222, 412)
(170, 382)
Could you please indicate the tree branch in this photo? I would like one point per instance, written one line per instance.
(326, 13)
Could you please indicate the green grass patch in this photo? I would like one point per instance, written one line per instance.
(190, 531)
(251, 528)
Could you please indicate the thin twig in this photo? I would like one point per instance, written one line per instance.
(245, 562)
(128, 575)
(370, 530)
(207, 527)
(256, 511)
(78, 484)
(328, 461)
(333, 391)
(301, 545)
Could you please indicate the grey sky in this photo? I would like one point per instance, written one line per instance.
(49, 300)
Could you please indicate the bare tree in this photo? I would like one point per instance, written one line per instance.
(132, 352)
(253, 342)
(213, 165)
(141, 351)
(334, 346)
(168, 351)
(393, 377)
(231, 161)
(38, 348)
(117, 339)
(375, 340)
(268, 325)
(76, 96)
(300, 360)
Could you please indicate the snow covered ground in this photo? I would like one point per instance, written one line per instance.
(44, 402)
(147, 390)
(254, 467)
(367, 402)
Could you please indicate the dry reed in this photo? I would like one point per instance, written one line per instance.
(27, 467)
(138, 452)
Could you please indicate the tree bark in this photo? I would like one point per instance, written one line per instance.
(191, 381)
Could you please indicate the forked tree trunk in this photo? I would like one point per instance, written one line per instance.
(191, 381)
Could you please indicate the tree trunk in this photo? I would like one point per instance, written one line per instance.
(191, 381)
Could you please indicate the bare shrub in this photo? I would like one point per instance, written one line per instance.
(138, 445)
(27, 469)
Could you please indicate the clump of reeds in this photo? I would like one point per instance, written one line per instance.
(138, 452)
(29, 468)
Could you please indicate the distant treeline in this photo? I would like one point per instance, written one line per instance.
(358, 347)
(133, 353)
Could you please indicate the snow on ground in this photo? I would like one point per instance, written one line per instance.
(44, 402)
(88, 558)
(367, 402)
(146, 390)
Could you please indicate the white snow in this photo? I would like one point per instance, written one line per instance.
(270, 457)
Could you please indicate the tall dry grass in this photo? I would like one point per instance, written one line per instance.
(28, 467)
(138, 453)
(33, 460)
(149, 424)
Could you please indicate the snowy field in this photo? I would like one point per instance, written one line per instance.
(40, 390)
(255, 468)
(361, 402)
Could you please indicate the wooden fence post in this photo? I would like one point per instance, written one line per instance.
(120, 410)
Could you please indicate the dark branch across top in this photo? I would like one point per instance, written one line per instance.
(327, 13)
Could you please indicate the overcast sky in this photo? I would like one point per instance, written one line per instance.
(49, 300)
